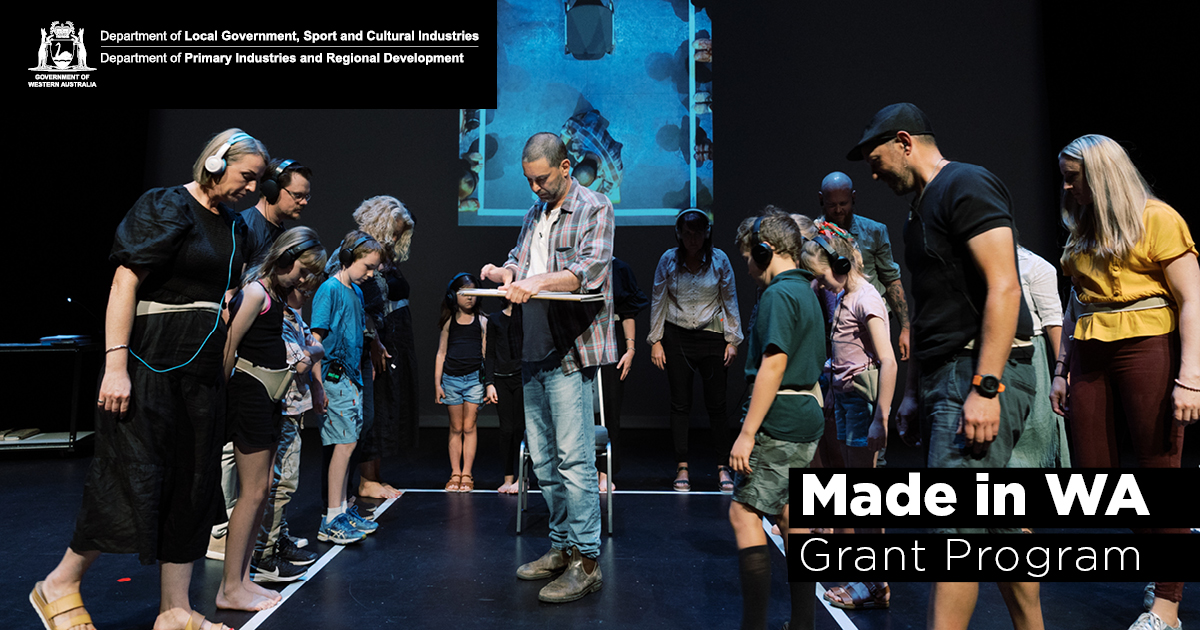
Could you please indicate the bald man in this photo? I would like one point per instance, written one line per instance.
(837, 204)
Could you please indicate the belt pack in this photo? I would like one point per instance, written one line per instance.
(276, 381)
(1077, 309)
(146, 307)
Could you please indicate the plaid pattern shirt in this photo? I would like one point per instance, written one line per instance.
(581, 241)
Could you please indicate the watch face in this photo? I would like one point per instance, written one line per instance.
(989, 385)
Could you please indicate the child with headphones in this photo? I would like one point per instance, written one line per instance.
(339, 322)
(256, 362)
(863, 371)
(461, 347)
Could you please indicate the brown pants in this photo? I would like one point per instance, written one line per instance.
(1131, 379)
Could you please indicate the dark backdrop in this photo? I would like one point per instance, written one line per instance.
(1006, 87)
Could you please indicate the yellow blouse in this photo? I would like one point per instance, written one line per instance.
(1142, 275)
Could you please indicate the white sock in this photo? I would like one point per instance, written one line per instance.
(332, 513)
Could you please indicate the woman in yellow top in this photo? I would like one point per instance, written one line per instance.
(1131, 340)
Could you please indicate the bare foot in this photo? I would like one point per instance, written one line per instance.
(241, 598)
(49, 595)
(509, 486)
(605, 483)
(256, 588)
(177, 619)
(376, 490)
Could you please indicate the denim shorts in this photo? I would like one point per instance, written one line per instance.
(766, 487)
(343, 419)
(460, 389)
(853, 415)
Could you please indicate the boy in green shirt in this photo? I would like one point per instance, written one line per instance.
(783, 420)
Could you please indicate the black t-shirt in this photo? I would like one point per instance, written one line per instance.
(949, 292)
(262, 234)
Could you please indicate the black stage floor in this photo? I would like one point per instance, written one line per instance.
(447, 561)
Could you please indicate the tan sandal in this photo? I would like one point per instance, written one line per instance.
(861, 596)
(454, 484)
(211, 626)
(50, 610)
(467, 484)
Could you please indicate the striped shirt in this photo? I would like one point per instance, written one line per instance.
(581, 241)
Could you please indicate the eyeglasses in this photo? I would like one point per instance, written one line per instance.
(298, 197)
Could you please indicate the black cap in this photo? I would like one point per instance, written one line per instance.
(887, 122)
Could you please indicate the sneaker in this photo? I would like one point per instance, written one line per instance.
(216, 548)
(574, 583)
(339, 531)
(273, 569)
(285, 549)
(1151, 621)
(360, 523)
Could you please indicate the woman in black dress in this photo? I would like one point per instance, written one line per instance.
(153, 486)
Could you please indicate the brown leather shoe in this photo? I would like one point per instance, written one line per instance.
(549, 565)
(574, 583)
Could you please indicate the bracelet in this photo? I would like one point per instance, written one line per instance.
(116, 348)
(1187, 387)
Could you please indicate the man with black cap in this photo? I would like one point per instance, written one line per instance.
(970, 325)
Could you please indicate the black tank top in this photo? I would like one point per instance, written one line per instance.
(464, 348)
(263, 344)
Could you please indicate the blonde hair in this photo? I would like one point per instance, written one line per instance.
(816, 259)
(1111, 226)
(244, 146)
(378, 217)
(313, 257)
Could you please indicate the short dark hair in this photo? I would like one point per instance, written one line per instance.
(285, 178)
(544, 145)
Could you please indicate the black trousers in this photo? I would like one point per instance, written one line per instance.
(690, 353)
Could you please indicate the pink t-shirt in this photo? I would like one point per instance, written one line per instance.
(853, 351)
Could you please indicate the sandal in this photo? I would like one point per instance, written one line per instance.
(862, 595)
(64, 604)
(681, 485)
(211, 626)
(467, 484)
(454, 484)
(725, 484)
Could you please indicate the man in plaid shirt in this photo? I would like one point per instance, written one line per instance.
(565, 245)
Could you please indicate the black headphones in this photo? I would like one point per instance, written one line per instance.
(290, 255)
(346, 254)
(215, 163)
(760, 252)
(837, 262)
(270, 183)
(451, 294)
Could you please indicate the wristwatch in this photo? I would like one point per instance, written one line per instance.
(987, 385)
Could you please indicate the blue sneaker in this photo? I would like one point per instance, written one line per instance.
(339, 531)
(360, 523)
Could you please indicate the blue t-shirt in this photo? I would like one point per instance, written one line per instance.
(338, 309)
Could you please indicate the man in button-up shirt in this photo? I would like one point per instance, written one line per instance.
(871, 237)
(565, 245)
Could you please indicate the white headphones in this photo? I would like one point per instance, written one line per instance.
(215, 163)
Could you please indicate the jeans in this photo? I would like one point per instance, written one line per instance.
(944, 389)
(562, 443)
(853, 415)
(284, 480)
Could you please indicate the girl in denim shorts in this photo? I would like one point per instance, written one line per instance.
(456, 375)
